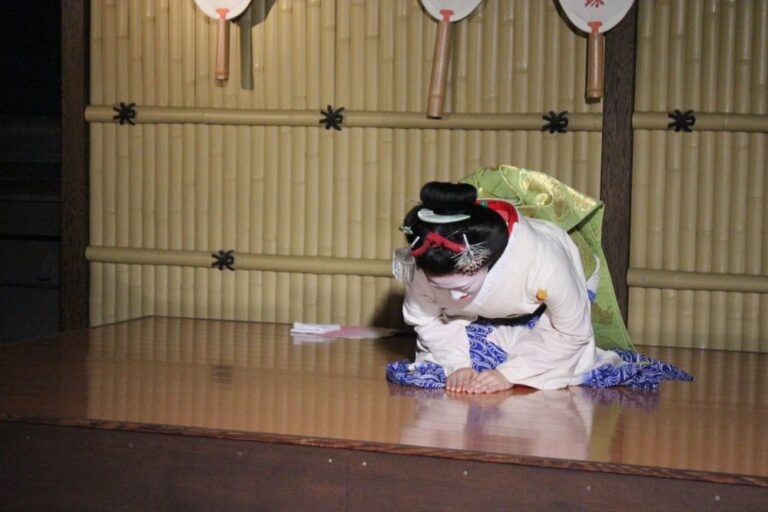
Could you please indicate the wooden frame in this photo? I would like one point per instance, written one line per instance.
(83, 469)
(616, 164)
(73, 296)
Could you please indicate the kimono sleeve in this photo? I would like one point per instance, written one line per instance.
(568, 306)
(441, 339)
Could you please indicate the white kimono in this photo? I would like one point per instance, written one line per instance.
(540, 264)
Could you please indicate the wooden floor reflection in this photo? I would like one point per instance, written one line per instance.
(250, 380)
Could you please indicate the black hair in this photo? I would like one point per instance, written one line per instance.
(483, 226)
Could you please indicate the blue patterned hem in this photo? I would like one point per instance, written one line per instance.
(423, 375)
(638, 371)
(483, 353)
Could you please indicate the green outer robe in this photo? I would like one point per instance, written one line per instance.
(539, 196)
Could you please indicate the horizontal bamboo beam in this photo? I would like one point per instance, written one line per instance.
(676, 280)
(243, 261)
(704, 122)
(352, 119)
(582, 122)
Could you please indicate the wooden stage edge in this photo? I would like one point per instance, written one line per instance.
(397, 449)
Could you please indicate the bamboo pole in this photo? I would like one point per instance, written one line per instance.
(539, 66)
(150, 49)
(158, 234)
(97, 183)
(550, 87)
(230, 218)
(175, 230)
(386, 49)
(739, 240)
(215, 218)
(757, 261)
(726, 54)
(371, 61)
(187, 54)
(654, 226)
(357, 62)
(720, 239)
(643, 63)
(271, 162)
(152, 142)
(456, 99)
(312, 195)
(760, 57)
(718, 122)
(130, 158)
(242, 197)
(262, 262)
(418, 40)
(687, 311)
(354, 119)
(400, 60)
(677, 280)
(269, 297)
(341, 166)
(296, 148)
(97, 50)
(474, 72)
(256, 215)
(168, 66)
(258, 94)
(116, 55)
(110, 221)
(201, 215)
(202, 42)
(672, 174)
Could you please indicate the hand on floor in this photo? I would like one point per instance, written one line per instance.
(460, 380)
(489, 381)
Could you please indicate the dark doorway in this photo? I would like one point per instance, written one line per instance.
(30, 168)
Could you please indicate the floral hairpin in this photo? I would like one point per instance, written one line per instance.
(472, 257)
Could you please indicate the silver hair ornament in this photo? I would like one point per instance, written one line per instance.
(472, 258)
(403, 262)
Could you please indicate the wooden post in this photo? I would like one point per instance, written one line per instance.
(616, 165)
(73, 295)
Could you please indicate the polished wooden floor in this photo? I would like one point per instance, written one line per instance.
(254, 380)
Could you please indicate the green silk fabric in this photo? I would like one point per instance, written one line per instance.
(539, 196)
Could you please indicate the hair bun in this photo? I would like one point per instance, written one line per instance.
(446, 198)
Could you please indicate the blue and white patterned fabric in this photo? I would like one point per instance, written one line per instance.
(484, 354)
(423, 375)
(638, 371)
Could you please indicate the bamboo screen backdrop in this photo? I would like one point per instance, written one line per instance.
(699, 250)
(312, 214)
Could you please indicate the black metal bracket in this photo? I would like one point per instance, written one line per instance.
(555, 122)
(332, 118)
(681, 121)
(224, 259)
(126, 113)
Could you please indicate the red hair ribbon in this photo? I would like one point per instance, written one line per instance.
(436, 240)
(503, 208)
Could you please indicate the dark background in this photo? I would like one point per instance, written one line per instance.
(30, 167)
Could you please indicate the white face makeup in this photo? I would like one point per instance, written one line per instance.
(461, 286)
